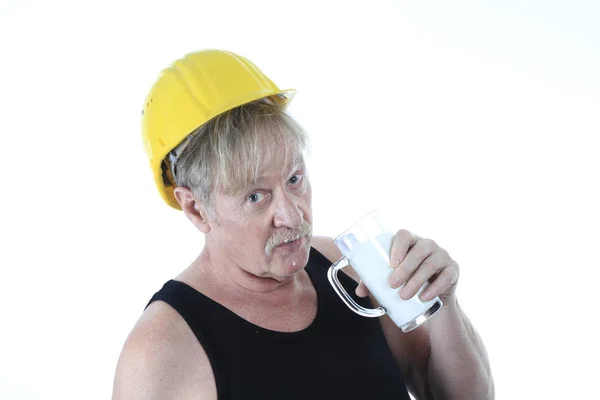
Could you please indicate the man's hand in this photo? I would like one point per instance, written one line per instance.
(415, 261)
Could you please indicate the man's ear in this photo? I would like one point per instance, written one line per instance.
(192, 208)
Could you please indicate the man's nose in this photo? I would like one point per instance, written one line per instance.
(287, 212)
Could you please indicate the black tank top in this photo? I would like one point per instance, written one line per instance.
(341, 355)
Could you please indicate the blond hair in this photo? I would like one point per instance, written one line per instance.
(236, 147)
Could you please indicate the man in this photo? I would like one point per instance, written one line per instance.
(253, 317)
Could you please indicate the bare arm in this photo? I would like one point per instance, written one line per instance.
(162, 359)
(459, 365)
(443, 359)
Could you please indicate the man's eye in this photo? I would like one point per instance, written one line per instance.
(296, 178)
(256, 197)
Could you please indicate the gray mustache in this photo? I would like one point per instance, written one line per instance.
(288, 234)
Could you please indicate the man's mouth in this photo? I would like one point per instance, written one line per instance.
(292, 245)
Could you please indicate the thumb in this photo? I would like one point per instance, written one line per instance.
(361, 290)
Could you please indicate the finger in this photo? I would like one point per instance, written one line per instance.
(427, 268)
(362, 290)
(419, 252)
(443, 281)
(403, 241)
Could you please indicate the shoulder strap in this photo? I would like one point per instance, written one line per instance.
(196, 309)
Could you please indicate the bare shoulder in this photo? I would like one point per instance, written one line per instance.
(326, 246)
(162, 359)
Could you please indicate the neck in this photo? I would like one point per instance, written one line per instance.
(216, 274)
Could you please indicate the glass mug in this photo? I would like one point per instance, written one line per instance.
(366, 246)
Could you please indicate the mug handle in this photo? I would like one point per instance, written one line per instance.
(346, 298)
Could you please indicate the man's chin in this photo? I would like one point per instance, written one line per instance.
(292, 262)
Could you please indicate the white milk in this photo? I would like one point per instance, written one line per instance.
(369, 255)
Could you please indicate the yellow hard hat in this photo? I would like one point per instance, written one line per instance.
(189, 93)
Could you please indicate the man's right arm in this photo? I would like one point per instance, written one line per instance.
(162, 359)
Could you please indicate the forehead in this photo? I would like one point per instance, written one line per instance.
(278, 169)
(271, 172)
(269, 154)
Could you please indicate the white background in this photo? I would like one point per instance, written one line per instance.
(475, 123)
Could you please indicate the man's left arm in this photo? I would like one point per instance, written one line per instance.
(458, 366)
(445, 358)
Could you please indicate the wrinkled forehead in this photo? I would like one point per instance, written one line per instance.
(278, 167)
(267, 152)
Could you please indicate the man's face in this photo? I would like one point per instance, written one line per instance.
(254, 227)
